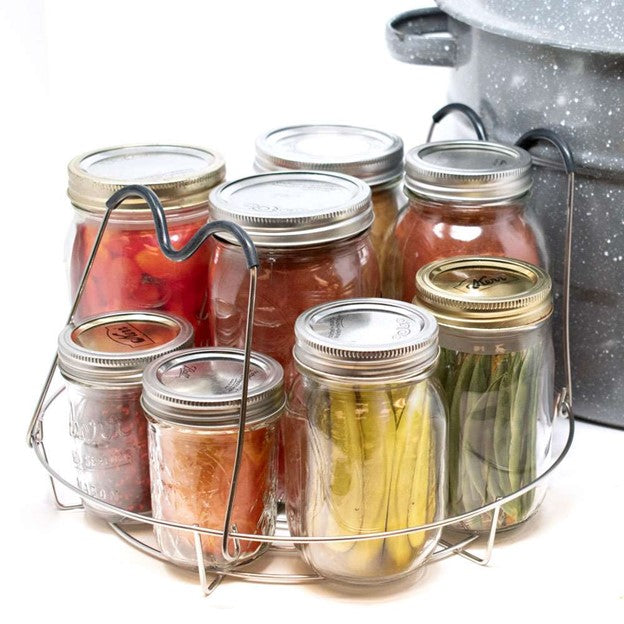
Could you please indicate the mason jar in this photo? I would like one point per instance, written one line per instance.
(373, 156)
(192, 400)
(312, 234)
(130, 271)
(465, 198)
(365, 433)
(496, 368)
(102, 361)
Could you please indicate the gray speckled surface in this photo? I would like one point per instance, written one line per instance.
(516, 85)
(589, 25)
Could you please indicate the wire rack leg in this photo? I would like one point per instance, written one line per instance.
(207, 587)
(489, 547)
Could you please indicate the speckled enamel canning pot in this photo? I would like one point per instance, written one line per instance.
(556, 64)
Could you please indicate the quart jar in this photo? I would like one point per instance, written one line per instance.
(130, 271)
(365, 433)
(192, 400)
(465, 198)
(102, 361)
(496, 368)
(312, 234)
(373, 156)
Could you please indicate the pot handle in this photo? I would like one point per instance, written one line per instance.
(407, 37)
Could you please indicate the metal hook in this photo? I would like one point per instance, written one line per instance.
(207, 588)
(527, 141)
(473, 117)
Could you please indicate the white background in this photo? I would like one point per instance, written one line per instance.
(79, 75)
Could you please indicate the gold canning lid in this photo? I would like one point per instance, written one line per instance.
(484, 293)
(182, 176)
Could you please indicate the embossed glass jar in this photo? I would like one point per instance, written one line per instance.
(312, 233)
(373, 156)
(130, 271)
(465, 198)
(365, 434)
(192, 400)
(497, 371)
(102, 361)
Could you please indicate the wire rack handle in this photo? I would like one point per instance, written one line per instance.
(527, 141)
(35, 432)
(457, 107)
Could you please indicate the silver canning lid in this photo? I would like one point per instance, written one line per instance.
(371, 155)
(181, 176)
(114, 348)
(468, 171)
(377, 339)
(202, 387)
(293, 208)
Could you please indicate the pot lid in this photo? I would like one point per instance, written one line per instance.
(587, 26)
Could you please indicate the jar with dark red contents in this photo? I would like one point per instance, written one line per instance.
(373, 156)
(312, 233)
(130, 271)
(192, 400)
(465, 198)
(102, 361)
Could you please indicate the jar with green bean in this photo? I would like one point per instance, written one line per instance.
(365, 431)
(496, 367)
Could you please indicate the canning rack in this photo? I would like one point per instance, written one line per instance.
(211, 577)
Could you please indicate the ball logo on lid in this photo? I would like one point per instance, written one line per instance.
(485, 281)
(128, 335)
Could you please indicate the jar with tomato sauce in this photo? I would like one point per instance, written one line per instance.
(192, 402)
(130, 271)
(465, 198)
(373, 156)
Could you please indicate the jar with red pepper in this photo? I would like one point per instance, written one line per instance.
(130, 272)
(102, 361)
(465, 198)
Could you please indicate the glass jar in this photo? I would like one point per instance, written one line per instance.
(312, 234)
(373, 156)
(465, 198)
(365, 433)
(192, 400)
(496, 368)
(130, 271)
(102, 361)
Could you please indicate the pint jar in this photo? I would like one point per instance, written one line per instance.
(496, 368)
(465, 198)
(365, 433)
(192, 400)
(130, 271)
(373, 156)
(102, 361)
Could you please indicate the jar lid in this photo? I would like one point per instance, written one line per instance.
(294, 209)
(371, 155)
(114, 348)
(468, 171)
(484, 293)
(377, 339)
(180, 175)
(202, 387)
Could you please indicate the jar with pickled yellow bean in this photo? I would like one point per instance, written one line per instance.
(365, 430)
